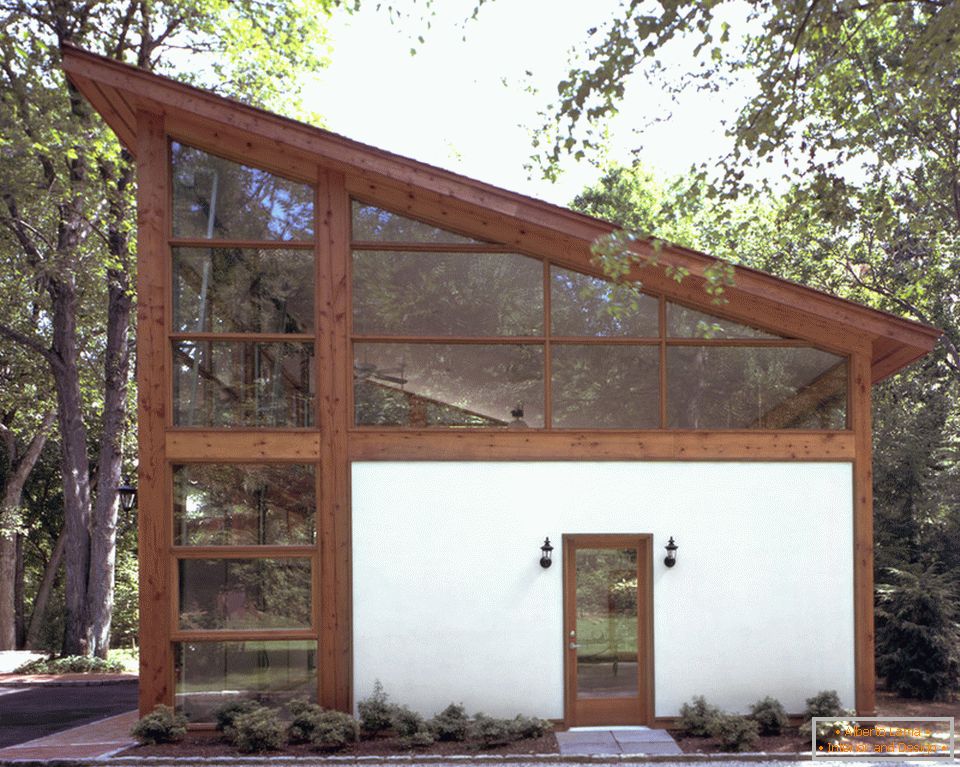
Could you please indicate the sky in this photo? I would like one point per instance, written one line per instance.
(466, 105)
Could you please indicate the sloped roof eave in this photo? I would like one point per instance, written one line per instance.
(116, 90)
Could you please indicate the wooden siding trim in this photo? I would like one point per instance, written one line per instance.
(558, 445)
(229, 446)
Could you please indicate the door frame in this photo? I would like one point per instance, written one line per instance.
(643, 712)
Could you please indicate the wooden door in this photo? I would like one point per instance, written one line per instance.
(608, 630)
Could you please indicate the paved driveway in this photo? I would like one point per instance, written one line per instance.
(28, 713)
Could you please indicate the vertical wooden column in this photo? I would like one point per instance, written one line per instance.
(863, 534)
(334, 380)
(156, 663)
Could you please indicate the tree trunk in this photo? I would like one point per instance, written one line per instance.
(103, 530)
(19, 629)
(75, 464)
(43, 593)
(9, 513)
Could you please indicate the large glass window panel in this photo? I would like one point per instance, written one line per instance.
(736, 387)
(242, 290)
(683, 322)
(447, 294)
(214, 198)
(217, 504)
(606, 631)
(210, 674)
(606, 387)
(371, 223)
(240, 383)
(581, 305)
(252, 594)
(448, 385)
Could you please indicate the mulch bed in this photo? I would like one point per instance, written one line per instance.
(774, 744)
(208, 743)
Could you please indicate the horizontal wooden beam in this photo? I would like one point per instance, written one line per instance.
(242, 446)
(428, 445)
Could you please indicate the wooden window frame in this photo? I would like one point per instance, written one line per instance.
(548, 339)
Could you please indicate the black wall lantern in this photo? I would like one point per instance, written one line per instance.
(128, 495)
(671, 559)
(546, 552)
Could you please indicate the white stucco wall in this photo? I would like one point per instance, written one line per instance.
(450, 602)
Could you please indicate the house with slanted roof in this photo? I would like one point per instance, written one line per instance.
(394, 426)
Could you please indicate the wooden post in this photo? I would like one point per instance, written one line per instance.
(156, 666)
(334, 381)
(860, 419)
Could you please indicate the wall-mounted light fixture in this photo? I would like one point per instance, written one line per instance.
(128, 495)
(671, 559)
(546, 553)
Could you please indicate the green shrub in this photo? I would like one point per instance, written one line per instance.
(769, 715)
(489, 731)
(530, 727)
(824, 703)
(304, 718)
(162, 725)
(333, 730)
(230, 710)
(257, 730)
(406, 722)
(450, 724)
(376, 711)
(918, 637)
(70, 664)
(696, 717)
(419, 739)
(735, 732)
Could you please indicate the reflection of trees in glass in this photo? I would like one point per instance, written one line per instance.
(589, 306)
(233, 383)
(244, 504)
(273, 673)
(375, 224)
(216, 198)
(734, 387)
(242, 290)
(606, 604)
(683, 322)
(447, 384)
(455, 294)
(245, 593)
(606, 387)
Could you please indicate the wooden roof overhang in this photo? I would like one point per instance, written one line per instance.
(296, 150)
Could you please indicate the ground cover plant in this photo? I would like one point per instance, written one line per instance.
(71, 664)
(162, 725)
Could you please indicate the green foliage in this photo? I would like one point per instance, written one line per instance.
(304, 719)
(530, 727)
(918, 635)
(406, 722)
(260, 729)
(375, 711)
(228, 712)
(769, 715)
(490, 732)
(824, 703)
(419, 739)
(334, 730)
(697, 717)
(162, 725)
(71, 664)
(450, 724)
(735, 732)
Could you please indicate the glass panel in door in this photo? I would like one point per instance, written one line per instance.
(606, 623)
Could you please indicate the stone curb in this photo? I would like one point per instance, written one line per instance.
(332, 761)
